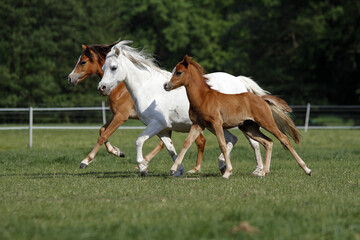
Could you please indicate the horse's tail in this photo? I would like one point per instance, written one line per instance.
(252, 86)
(281, 114)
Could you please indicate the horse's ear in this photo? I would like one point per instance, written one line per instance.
(186, 61)
(117, 51)
(83, 46)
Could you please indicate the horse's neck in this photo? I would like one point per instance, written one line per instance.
(100, 63)
(196, 90)
(143, 83)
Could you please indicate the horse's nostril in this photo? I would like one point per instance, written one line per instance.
(69, 80)
(102, 89)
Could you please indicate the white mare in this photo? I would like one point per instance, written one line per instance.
(162, 111)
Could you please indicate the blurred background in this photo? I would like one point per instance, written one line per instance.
(303, 51)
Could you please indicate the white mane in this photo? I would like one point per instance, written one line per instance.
(136, 56)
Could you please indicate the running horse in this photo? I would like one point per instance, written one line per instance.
(163, 112)
(120, 102)
(214, 110)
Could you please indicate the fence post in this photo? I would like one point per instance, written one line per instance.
(103, 112)
(30, 126)
(307, 117)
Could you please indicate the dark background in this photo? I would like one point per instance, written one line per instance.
(303, 51)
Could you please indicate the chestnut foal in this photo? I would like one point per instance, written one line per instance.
(247, 111)
(120, 102)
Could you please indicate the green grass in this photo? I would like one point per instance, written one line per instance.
(45, 196)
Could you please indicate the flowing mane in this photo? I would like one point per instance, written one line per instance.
(138, 57)
(101, 50)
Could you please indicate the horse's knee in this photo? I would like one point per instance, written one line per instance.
(102, 129)
(138, 142)
(102, 140)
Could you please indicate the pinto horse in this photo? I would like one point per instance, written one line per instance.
(163, 112)
(213, 110)
(120, 102)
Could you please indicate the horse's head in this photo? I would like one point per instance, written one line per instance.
(87, 65)
(114, 73)
(179, 75)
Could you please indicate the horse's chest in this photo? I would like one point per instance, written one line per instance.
(201, 117)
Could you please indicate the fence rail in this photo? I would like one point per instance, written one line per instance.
(314, 117)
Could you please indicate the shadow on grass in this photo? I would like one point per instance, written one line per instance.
(119, 174)
(115, 174)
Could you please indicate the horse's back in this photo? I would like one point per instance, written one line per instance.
(225, 83)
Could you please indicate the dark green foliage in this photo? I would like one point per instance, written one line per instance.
(303, 51)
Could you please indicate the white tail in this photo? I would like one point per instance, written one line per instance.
(252, 86)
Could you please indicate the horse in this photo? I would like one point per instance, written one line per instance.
(214, 110)
(120, 102)
(161, 111)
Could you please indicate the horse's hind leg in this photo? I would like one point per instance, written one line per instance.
(200, 143)
(219, 132)
(256, 147)
(251, 130)
(155, 151)
(272, 128)
(286, 143)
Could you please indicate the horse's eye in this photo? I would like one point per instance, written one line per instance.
(179, 73)
(83, 62)
(113, 68)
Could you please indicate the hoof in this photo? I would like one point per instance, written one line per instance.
(309, 174)
(144, 173)
(83, 165)
(192, 171)
(259, 173)
(226, 175)
(172, 172)
(179, 173)
(222, 167)
(117, 152)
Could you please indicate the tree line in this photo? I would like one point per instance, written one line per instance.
(303, 51)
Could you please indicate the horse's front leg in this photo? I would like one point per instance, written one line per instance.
(150, 130)
(231, 140)
(105, 132)
(116, 122)
(166, 139)
(195, 131)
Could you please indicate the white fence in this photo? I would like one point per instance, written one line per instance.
(306, 110)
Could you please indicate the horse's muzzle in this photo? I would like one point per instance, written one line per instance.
(71, 81)
(103, 90)
(168, 86)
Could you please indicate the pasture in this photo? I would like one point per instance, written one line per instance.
(44, 195)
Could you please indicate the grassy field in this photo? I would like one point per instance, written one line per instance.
(45, 196)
